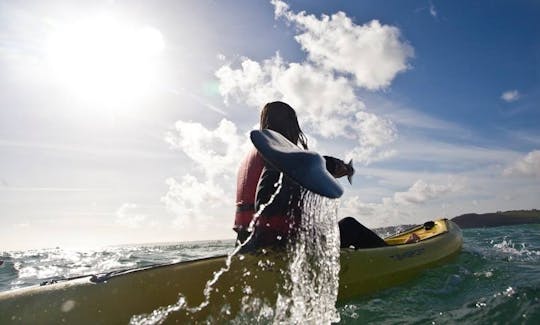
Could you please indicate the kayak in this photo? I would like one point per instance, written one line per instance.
(365, 271)
(113, 298)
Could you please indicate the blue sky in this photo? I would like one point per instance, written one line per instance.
(124, 122)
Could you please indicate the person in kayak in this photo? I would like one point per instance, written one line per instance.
(280, 219)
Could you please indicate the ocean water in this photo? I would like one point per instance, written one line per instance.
(495, 279)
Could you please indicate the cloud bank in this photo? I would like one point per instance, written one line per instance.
(342, 57)
(527, 166)
(402, 207)
(373, 53)
(217, 154)
(194, 202)
(420, 192)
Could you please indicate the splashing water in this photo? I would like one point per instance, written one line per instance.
(310, 276)
(508, 247)
(314, 266)
(159, 315)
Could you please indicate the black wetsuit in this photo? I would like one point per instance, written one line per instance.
(285, 204)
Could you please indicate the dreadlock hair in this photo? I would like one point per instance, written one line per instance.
(281, 117)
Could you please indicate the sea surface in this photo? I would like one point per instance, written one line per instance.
(495, 279)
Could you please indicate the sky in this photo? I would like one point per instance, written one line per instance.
(125, 121)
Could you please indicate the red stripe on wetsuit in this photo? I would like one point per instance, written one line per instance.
(246, 189)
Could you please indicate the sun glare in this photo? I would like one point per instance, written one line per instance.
(102, 57)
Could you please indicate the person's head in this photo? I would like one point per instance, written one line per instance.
(281, 118)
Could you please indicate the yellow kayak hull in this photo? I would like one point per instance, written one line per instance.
(115, 299)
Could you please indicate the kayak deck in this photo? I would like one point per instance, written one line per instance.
(428, 230)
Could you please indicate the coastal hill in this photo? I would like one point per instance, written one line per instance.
(499, 218)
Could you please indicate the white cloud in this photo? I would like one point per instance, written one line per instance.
(373, 53)
(528, 136)
(368, 155)
(341, 57)
(193, 201)
(372, 214)
(280, 8)
(510, 96)
(408, 118)
(432, 9)
(126, 215)
(216, 152)
(354, 206)
(403, 207)
(421, 192)
(326, 104)
(374, 131)
(441, 154)
(323, 101)
(528, 166)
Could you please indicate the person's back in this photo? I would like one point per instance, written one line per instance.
(280, 219)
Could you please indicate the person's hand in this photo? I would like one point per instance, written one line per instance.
(342, 169)
(413, 238)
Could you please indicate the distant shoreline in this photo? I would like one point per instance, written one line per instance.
(497, 219)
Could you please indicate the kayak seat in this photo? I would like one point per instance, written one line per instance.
(355, 235)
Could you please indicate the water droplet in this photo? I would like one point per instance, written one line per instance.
(67, 306)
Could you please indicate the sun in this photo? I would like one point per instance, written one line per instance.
(105, 59)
